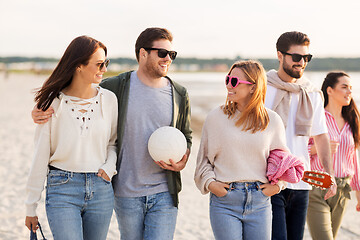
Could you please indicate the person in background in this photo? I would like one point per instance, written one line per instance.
(146, 192)
(76, 148)
(342, 119)
(232, 161)
(299, 105)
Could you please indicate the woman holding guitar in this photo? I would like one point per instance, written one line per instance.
(342, 119)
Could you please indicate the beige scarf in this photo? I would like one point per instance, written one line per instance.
(304, 113)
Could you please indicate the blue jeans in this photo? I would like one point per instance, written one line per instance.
(243, 213)
(149, 217)
(289, 214)
(78, 205)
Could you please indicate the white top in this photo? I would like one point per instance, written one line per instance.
(298, 145)
(79, 137)
(228, 154)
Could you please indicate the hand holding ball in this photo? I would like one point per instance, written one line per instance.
(167, 143)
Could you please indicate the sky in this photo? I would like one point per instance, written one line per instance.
(201, 29)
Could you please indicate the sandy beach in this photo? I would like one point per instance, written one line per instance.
(16, 150)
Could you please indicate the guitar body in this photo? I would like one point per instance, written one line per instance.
(318, 179)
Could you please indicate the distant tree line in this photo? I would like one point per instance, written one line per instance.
(317, 64)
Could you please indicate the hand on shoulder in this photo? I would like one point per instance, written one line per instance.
(39, 116)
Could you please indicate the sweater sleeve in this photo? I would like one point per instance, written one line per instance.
(279, 136)
(38, 169)
(110, 165)
(204, 172)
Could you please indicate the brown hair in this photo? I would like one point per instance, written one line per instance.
(350, 113)
(77, 53)
(254, 117)
(288, 39)
(148, 36)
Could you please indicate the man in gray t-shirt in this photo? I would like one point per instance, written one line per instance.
(145, 190)
(138, 174)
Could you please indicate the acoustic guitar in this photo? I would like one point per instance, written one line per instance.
(318, 179)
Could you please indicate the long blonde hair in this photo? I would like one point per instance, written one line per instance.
(254, 117)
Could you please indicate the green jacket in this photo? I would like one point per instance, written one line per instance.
(120, 85)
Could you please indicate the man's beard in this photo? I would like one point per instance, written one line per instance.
(152, 70)
(294, 74)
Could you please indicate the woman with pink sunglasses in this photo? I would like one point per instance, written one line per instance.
(232, 160)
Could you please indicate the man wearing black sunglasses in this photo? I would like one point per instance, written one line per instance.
(146, 192)
(300, 106)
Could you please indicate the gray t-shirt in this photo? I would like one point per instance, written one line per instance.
(148, 109)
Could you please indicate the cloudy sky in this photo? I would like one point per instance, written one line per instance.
(211, 28)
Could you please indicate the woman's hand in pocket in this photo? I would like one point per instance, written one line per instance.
(102, 173)
(218, 188)
(269, 189)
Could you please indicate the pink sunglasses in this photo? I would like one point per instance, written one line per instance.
(234, 81)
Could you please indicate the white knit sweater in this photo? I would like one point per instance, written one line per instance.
(74, 141)
(228, 154)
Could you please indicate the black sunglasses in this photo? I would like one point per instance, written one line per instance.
(297, 57)
(162, 53)
(104, 63)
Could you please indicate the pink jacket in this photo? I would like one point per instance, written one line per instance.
(284, 166)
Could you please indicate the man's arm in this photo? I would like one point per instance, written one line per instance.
(39, 116)
(322, 144)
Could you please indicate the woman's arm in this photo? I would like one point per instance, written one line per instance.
(355, 180)
(204, 171)
(38, 169)
(108, 169)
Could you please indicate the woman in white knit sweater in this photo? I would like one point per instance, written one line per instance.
(232, 160)
(75, 149)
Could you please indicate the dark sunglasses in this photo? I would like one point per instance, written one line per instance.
(234, 81)
(104, 63)
(297, 57)
(162, 53)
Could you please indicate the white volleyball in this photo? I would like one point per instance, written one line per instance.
(167, 143)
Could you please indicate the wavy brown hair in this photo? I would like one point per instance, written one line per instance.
(77, 53)
(254, 117)
(350, 113)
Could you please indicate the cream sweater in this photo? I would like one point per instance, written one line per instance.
(228, 154)
(74, 142)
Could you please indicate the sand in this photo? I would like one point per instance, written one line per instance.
(16, 149)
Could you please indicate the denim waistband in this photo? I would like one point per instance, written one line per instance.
(247, 185)
(55, 169)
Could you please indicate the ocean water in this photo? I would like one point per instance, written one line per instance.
(208, 90)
